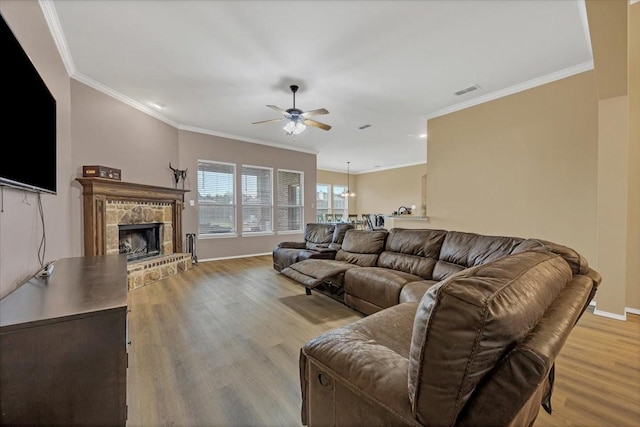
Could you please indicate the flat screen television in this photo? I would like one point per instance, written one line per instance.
(28, 161)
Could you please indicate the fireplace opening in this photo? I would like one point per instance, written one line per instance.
(139, 240)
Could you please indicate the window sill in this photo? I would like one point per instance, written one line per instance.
(217, 236)
(257, 233)
(291, 232)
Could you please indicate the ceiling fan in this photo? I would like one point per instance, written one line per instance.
(297, 120)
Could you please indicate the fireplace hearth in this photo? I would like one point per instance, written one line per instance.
(140, 241)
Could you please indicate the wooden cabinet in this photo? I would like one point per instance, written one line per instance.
(63, 346)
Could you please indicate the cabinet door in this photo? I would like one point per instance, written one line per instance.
(65, 372)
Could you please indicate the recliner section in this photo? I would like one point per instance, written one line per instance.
(321, 241)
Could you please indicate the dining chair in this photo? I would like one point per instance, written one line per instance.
(367, 221)
(328, 217)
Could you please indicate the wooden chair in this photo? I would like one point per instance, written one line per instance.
(337, 217)
(328, 217)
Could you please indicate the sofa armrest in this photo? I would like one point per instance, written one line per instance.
(292, 245)
(323, 250)
(358, 374)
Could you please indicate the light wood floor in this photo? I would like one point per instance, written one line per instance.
(218, 345)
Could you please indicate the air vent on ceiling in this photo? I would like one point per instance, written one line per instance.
(467, 90)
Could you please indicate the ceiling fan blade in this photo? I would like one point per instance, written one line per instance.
(268, 121)
(313, 123)
(317, 112)
(278, 109)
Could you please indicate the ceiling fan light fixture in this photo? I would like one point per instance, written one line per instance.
(294, 128)
(298, 120)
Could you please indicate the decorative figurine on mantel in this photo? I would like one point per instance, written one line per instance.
(177, 174)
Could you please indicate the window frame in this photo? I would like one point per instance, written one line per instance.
(301, 206)
(234, 231)
(271, 205)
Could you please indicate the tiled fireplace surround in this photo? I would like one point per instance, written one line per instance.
(109, 204)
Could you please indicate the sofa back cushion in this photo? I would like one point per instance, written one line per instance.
(339, 232)
(462, 250)
(465, 324)
(318, 235)
(412, 251)
(362, 247)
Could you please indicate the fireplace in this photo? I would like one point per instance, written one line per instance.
(140, 241)
(142, 221)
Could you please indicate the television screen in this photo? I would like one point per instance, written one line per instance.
(30, 113)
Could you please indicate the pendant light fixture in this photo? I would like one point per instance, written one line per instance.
(346, 192)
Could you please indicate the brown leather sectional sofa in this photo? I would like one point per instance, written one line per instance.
(462, 329)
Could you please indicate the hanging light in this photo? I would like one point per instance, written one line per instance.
(346, 192)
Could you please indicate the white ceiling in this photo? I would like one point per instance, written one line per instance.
(215, 65)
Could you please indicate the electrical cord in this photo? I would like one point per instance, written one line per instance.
(43, 242)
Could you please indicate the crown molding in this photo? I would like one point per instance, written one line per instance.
(51, 16)
(122, 98)
(374, 170)
(567, 72)
(244, 139)
(584, 19)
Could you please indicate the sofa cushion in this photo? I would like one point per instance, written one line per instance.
(362, 247)
(340, 231)
(462, 250)
(378, 286)
(412, 251)
(414, 291)
(318, 234)
(465, 324)
(312, 272)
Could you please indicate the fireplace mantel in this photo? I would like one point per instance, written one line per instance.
(99, 192)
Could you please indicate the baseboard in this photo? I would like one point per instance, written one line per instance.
(234, 257)
(615, 316)
(632, 310)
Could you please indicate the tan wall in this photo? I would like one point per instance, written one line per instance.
(385, 191)
(613, 147)
(523, 165)
(194, 146)
(20, 223)
(617, 170)
(607, 21)
(110, 133)
(633, 253)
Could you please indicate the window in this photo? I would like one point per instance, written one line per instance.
(216, 198)
(290, 200)
(323, 199)
(329, 201)
(257, 199)
(339, 202)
